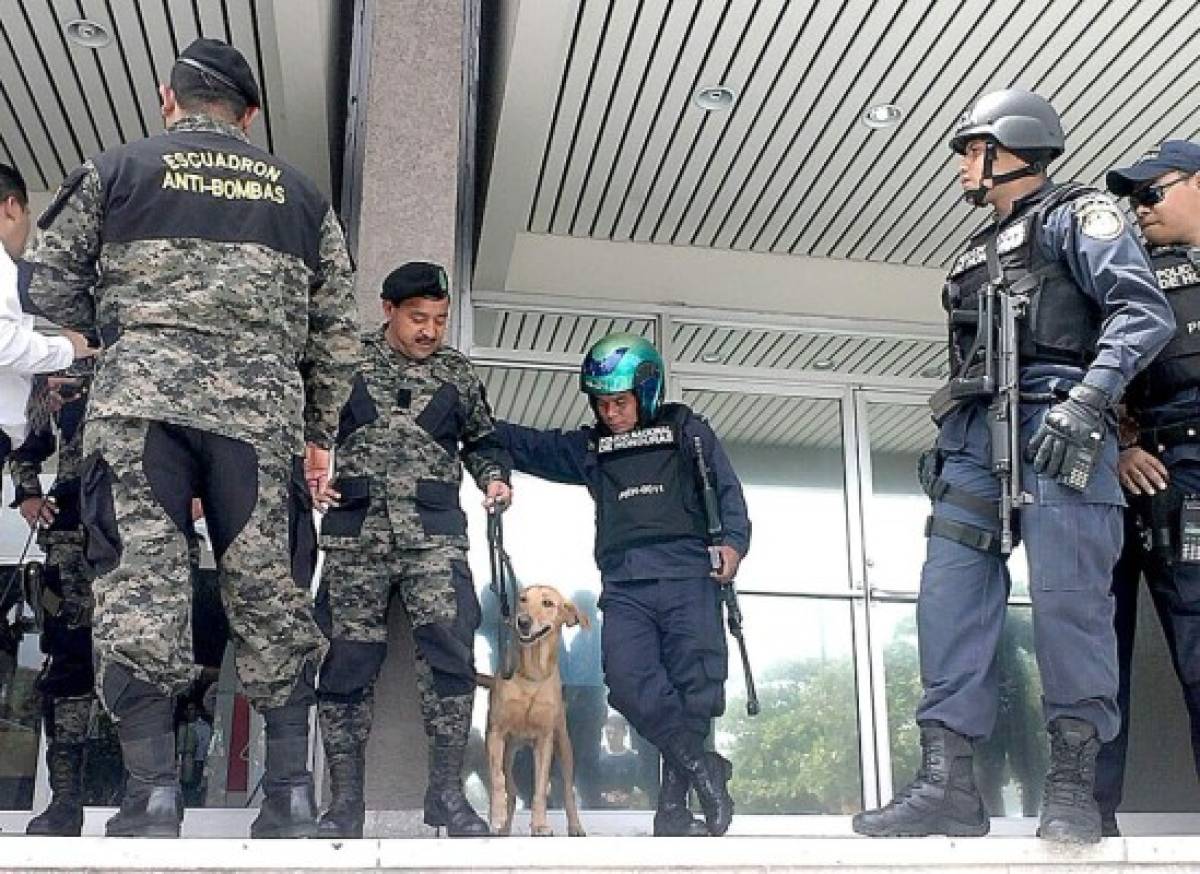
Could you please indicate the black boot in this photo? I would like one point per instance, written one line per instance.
(64, 815)
(152, 806)
(344, 818)
(672, 817)
(1069, 810)
(289, 808)
(445, 804)
(941, 799)
(708, 773)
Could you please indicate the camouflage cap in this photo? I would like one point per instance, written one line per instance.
(225, 64)
(415, 279)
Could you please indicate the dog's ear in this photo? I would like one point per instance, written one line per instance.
(571, 615)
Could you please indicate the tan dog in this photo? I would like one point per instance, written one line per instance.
(528, 709)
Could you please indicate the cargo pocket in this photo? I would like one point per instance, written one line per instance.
(437, 505)
(102, 543)
(710, 703)
(302, 532)
(347, 518)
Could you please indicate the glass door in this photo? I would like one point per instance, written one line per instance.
(894, 429)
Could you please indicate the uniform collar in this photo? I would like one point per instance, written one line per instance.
(379, 339)
(191, 123)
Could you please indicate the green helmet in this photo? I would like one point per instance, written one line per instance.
(624, 362)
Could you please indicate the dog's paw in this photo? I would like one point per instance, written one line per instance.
(576, 831)
(541, 831)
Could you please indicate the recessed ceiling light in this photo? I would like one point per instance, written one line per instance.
(87, 33)
(711, 358)
(715, 98)
(882, 116)
(823, 364)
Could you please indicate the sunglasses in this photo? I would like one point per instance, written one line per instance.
(1152, 195)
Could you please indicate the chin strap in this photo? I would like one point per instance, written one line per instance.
(978, 196)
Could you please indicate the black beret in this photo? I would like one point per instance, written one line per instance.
(415, 279)
(225, 64)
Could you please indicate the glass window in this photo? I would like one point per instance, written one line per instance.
(787, 452)
(1010, 766)
(800, 754)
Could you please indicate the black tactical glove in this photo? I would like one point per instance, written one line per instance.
(1067, 444)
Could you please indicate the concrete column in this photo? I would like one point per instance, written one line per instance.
(409, 163)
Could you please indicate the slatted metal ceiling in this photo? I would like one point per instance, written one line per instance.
(561, 333)
(705, 343)
(791, 169)
(551, 399)
(806, 350)
(61, 103)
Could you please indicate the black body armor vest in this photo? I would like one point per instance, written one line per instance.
(647, 490)
(1177, 366)
(1061, 325)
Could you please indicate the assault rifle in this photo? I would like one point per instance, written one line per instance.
(1000, 308)
(733, 610)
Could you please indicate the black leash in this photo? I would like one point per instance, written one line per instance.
(504, 587)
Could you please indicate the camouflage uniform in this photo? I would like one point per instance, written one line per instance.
(399, 527)
(218, 279)
(66, 679)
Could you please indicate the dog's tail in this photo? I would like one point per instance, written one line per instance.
(485, 680)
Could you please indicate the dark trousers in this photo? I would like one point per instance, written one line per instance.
(1174, 589)
(665, 659)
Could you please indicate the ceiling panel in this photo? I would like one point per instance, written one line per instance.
(61, 103)
(557, 333)
(791, 169)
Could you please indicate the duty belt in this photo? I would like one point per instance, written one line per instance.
(1161, 439)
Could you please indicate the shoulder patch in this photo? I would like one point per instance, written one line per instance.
(1099, 217)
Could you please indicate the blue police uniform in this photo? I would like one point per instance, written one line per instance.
(1072, 538)
(1165, 405)
(662, 641)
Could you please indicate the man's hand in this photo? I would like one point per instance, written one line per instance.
(38, 512)
(1069, 423)
(498, 496)
(80, 344)
(1141, 473)
(316, 475)
(730, 559)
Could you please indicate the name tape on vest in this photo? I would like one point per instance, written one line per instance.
(661, 435)
(1178, 276)
(1009, 239)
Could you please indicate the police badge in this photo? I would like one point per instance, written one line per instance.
(1099, 218)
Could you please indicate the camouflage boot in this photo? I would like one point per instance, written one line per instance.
(289, 808)
(66, 723)
(941, 799)
(345, 727)
(1070, 814)
(64, 815)
(445, 803)
(672, 817)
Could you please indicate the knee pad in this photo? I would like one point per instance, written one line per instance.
(451, 660)
(349, 669)
(141, 710)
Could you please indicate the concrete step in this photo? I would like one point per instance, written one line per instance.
(777, 855)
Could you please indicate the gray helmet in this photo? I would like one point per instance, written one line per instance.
(1018, 120)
